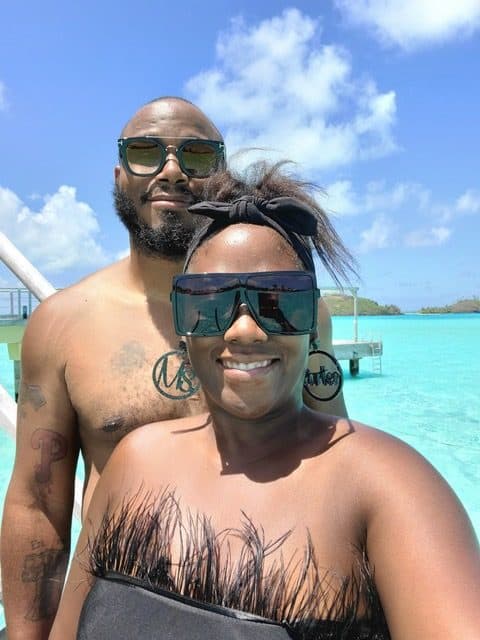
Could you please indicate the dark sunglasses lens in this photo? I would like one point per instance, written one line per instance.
(204, 306)
(283, 304)
(144, 157)
(199, 159)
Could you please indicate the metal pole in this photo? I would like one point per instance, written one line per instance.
(355, 316)
(24, 270)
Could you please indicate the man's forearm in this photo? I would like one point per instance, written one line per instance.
(34, 563)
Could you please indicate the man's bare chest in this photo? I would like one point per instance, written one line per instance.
(119, 380)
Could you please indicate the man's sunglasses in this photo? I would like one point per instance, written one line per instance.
(281, 302)
(146, 155)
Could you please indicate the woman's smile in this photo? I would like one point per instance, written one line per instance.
(241, 368)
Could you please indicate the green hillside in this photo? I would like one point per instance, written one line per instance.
(470, 305)
(341, 305)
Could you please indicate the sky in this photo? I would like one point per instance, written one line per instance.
(376, 101)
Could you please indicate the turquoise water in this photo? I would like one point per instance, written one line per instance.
(428, 394)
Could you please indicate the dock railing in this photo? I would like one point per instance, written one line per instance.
(16, 303)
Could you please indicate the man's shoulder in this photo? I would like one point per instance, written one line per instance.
(98, 282)
(55, 315)
(93, 287)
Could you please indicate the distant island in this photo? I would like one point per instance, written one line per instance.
(469, 305)
(342, 305)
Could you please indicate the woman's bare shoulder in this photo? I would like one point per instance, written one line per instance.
(378, 457)
(157, 439)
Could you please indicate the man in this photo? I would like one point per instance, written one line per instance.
(101, 357)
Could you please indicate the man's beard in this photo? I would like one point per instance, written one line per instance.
(170, 240)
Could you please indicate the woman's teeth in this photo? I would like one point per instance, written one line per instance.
(246, 366)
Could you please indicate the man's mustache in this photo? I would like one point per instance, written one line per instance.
(146, 195)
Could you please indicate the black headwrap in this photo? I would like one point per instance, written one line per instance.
(292, 219)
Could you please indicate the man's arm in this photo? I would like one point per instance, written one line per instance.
(119, 477)
(327, 383)
(37, 515)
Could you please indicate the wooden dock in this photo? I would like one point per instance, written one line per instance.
(355, 350)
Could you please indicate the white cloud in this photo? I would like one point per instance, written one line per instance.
(403, 202)
(411, 24)
(277, 88)
(3, 99)
(435, 236)
(59, 235)
(342, 198)
(469, 202)
(378, 236)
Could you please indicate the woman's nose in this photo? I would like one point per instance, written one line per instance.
(244, 329)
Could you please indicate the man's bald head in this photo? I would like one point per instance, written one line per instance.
(169, 109)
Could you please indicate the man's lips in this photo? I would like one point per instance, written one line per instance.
(183, 198)
(166, 197)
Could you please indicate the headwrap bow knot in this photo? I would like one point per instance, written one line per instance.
(290, 217)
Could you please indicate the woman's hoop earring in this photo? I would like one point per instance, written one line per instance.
(173, 381)
(324, 373)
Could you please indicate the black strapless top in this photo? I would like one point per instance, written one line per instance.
(142, 591)
(120, 608)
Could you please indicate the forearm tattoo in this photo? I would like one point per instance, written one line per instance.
(45, 568)
(53, 447)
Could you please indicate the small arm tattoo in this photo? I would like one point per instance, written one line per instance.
(32, 393)
(45, 568)
(53, 447)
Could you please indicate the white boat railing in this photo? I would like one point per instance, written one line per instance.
(24, 270)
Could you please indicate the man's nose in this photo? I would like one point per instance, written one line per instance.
(244, 329)
(171, 170)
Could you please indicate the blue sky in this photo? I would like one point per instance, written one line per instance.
(378, 101)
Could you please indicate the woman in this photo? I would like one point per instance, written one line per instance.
(263, 518)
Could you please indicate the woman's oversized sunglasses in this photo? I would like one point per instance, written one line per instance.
(281, 302)
(146, 155)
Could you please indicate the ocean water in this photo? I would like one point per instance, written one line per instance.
(428, 394)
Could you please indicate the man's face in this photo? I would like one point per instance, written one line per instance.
(154, 208)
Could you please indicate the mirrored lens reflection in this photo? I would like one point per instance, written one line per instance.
(144, 157)
(280, 302)
(198, 158)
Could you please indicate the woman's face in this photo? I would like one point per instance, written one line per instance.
(248, 372)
